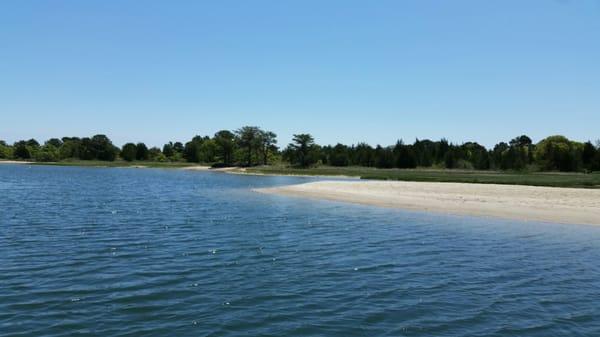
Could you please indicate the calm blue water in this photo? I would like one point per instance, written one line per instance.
(148, 252)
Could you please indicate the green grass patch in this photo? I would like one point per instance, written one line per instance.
(553, 179)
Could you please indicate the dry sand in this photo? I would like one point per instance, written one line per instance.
(14, 162)
(545, 204)
(208, 168)
(196, 168)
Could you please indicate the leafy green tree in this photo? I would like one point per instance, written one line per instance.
(47, 153)
(588, 155)
(98, 147)
(104, 148)
(178, 147)
(521, 141)
(450, 159)
(558, 153)
(384, 157)
(440, 152)
(57, 143)
(5, 150)
(520, 153)
(86, 149)
(248, 140)
(129, 152)
(168, 150)
(596, 160)
(207, 151)
(268, 141)
(303, 149)
(32, 143)
(499, 156)
(476, 155)
(363, 155)
(22, 150)
(155, 154)
(339, 155)
(141, 151)
(192, 150)
(70, 148)
(424, 152)
(404, 156)
(225, 146)
(173, 151)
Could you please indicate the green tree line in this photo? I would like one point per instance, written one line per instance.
(251, 145)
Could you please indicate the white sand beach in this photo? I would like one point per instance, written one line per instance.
(208, 168)
(530, 203)
(196, 168)
(14, 162)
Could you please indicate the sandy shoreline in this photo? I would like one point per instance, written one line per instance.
(208, 168)
(530, 203)
(14, 162)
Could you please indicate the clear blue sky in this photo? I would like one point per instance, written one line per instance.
(344, 71)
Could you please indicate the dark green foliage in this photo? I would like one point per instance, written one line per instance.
(47, 153)
(249, 142)
(498, 156)
(99, 147)
(302, 150)
(596, 162)
(250, 146)
(200, 150)
(339, 155)
(155, 154)
(173, 151)
(425, 152)
(71, 148)
(5, 150)
(450, 159)
(32, 143)
(267, 144)
(21, 150)
(225, 146)
(588, 156)
(362, 155)
(192, 149)
(141, 151)
(178, 147)
(477, 155)
(207, 151)
(168, 150)
(57, 143)
(129, 152)
(404, 156)
(384, 157)
(516, 155)
(558, 153)
(441, 148)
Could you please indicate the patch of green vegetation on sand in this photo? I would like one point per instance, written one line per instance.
(552, 179)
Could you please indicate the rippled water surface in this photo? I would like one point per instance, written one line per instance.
(148, 252)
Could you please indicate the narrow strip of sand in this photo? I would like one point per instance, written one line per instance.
(14, 162)
(196, 168)
(208, 168)
(530, 203)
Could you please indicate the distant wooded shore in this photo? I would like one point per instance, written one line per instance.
(518, 161)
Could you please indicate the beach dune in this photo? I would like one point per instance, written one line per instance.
(531, 203)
